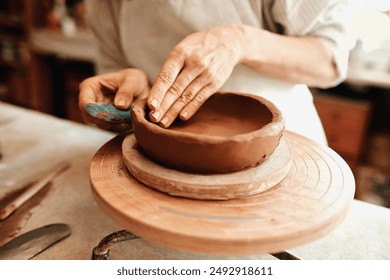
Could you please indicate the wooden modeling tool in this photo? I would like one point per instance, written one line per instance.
(16, 202)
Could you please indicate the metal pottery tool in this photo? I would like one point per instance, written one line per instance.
(30, 244)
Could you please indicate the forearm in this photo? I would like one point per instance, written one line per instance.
(293, 59)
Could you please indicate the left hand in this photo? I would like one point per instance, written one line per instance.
(195, 69)
(119, 88)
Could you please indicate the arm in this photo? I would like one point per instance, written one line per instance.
(312, 50)
(293, 59)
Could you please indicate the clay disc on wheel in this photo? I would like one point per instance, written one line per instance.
(239, 184)
(308, 203)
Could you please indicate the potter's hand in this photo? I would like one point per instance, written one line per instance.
(118, 88)
(195, 69)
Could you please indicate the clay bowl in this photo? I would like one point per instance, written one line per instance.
(230, 132)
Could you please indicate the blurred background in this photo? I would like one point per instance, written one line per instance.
(46, 50)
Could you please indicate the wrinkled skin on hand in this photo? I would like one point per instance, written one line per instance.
(119, 88)
(195, 69)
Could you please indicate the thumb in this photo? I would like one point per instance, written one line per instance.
(125, 94)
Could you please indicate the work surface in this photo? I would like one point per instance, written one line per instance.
(32, 143)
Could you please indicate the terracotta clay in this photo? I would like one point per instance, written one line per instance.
(222, 186)
(230, 132)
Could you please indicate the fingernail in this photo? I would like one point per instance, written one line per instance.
(155, 116)
(122, 103)
(184, 115)
(154, 103)
(164, 122)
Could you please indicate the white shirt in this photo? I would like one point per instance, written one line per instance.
(140, 34)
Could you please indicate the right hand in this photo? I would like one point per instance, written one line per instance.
(119, 88)
(195, 69)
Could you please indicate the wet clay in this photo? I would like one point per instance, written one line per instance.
(230, 132)
(226, 117)
(12, 225)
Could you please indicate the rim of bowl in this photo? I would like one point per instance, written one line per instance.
(274, 127)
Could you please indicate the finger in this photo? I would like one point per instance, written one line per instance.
(186, 77)
(190, 109)
(185, 98)
(128, 88)
(117, 128)
(91, 90)
(167, 76)
(133, 83)
(87, 94)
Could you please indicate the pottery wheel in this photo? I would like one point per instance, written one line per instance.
(308, 203)
(239, 184)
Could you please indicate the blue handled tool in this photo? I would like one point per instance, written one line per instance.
(108, 113)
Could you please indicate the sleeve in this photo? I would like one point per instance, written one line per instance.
(326, 19)
(103, 17)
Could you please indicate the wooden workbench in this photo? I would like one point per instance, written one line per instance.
(32, 142)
